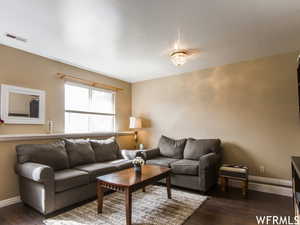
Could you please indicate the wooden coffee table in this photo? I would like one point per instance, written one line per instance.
(128, 181)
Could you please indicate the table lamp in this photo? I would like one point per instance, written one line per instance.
(135, 123)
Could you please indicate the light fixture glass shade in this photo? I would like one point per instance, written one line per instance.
(179, 58)
(135, 122)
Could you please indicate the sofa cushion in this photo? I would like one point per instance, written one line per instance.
(80, 152)
(185, 167)
(53, 155)
(97, 169)
(171, 148)
(194, 149)
(106, 150)
(161, 161)
(70, 178)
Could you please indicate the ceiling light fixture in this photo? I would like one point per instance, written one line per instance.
(178, 57)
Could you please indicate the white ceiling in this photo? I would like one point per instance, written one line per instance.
(130, 39)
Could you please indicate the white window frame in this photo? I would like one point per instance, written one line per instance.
(91, 88)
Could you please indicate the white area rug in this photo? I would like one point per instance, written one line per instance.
(152, 207)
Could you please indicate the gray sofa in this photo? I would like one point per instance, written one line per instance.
(194, 163)
(53, 176)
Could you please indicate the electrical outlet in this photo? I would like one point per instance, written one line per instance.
(261, 170)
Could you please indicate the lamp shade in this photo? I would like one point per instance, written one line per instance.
(135, 123)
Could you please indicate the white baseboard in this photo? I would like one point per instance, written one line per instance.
(10, 201)
(268, 180)
(266, 184)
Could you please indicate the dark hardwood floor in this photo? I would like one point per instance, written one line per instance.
(221, 209)
(232, 209)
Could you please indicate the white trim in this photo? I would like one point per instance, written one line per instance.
(24, 137)
(267, 185)
(10, 201)
(269, 180)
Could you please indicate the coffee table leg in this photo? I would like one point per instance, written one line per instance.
(168, 179)
(100, 196)
(144, 189)
(128, 202)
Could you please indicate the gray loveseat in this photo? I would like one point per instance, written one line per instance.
(194, 163)
(53, 176)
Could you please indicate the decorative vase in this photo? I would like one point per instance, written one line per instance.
(137, 168)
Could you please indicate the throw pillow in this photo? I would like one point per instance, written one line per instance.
(80, 152)
(106, 150)
(171, 148)
(53, 155)
(194, 148)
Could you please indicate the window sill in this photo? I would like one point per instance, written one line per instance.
(24, 137)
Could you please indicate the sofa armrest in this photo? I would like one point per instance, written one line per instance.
(210, 160)
(130, 154)
(208, 170)
(151, 153)
(35, 171)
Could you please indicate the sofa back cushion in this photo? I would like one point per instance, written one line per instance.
(171, 148)
(106, 150)
(195, 148)
(53, 155)
(80, 152)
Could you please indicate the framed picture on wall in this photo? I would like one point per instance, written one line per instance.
(20, 105)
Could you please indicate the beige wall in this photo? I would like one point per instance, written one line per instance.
(31, 71)
(252, 106)
(26, 70)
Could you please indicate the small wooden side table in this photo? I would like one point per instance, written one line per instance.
(234, 172)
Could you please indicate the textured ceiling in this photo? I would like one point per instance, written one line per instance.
(130, 39)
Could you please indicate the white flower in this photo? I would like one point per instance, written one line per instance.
(138, 161)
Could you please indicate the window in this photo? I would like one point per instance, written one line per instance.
(89, 109)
